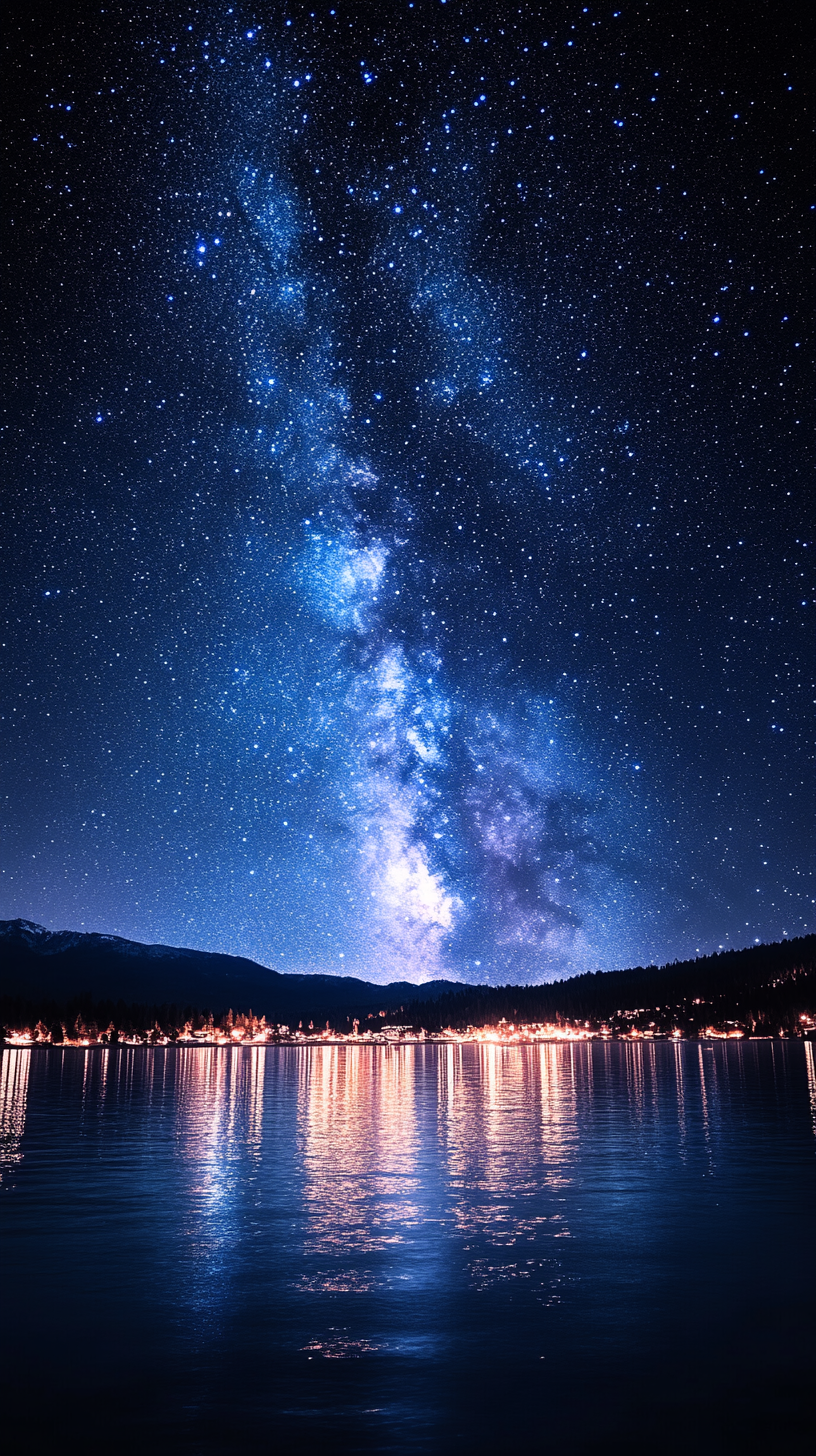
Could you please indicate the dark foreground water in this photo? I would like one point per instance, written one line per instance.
(409, 1249)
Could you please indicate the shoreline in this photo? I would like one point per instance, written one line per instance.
(379, 1042)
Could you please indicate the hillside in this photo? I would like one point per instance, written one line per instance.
(761, 990)
(43, 969)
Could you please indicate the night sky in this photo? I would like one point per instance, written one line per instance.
(406, 545)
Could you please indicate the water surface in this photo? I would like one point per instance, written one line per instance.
(410, 1249)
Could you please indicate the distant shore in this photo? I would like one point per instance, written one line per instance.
(761, 991)
(487, 1037)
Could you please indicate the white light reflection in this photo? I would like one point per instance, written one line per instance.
(14, 1069)
(510, 1125)
(810, 1063)
(360, 1147)
(219, 1110)
(679, 1076)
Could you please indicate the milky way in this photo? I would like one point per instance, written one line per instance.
(405, 521)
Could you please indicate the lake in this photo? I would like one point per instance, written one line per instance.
(424, 1248)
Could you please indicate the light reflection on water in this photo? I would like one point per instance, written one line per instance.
(14, 1069)
(375, 1240)
(359, 1144)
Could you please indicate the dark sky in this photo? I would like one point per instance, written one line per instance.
(406, 542)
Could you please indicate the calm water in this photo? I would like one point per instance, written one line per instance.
(410, 1249)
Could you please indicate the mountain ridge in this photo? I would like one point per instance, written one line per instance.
(59, 964)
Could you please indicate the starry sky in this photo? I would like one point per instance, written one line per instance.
(406, 545)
